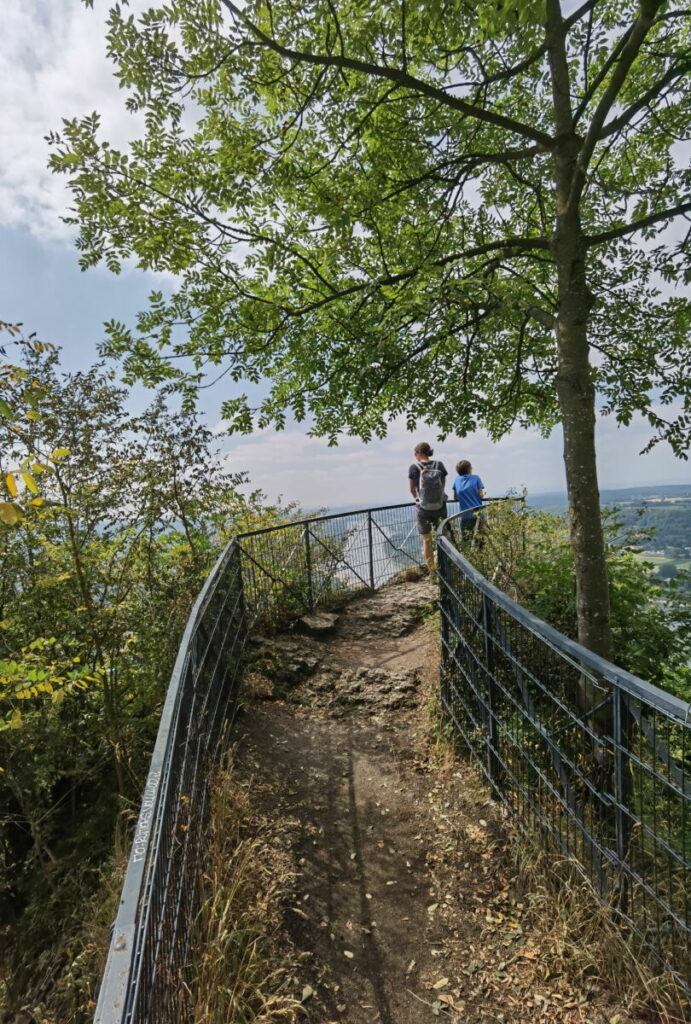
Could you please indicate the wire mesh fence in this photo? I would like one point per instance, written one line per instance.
(262, 578)
(314, 562)
(591, 758)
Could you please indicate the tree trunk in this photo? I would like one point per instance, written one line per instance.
(576, 394)
(575, 388)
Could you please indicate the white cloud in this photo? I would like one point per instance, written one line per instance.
(306, 470)
(53, 64)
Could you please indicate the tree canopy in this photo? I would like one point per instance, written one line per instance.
(466, 214)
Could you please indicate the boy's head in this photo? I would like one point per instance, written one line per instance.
(463, 467)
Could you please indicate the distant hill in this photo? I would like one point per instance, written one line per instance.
(555, 501)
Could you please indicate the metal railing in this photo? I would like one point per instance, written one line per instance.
(146, 970)
(528, 702)
(593, 759)
(260, 579)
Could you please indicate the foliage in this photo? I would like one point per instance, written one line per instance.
(358, 203)
(95, 586)
(20, 395)
(528, 555)
(460, 213)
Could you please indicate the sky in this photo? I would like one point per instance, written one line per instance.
(53, 65)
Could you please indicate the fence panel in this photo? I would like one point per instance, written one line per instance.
(262, 578)
(146, 970)
(291, 569)
(591, 758)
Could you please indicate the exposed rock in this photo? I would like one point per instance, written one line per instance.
(302, 669)
(288, 661)
(378, 689)
(318, 624)
(393, 611)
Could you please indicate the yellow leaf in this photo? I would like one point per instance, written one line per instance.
(33, 415)
(37, 502)
(16, 720)
(9, 514)
(11, 484)
(30, 483)
(59, 453)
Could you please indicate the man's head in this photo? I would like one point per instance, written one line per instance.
(423, 451)
(463, 468)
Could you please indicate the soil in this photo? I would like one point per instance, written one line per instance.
(405, 907)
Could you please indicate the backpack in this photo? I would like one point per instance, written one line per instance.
(431, 486)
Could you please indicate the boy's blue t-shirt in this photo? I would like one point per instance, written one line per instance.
(466, 491)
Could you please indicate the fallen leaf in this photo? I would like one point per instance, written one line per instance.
(307, 992)
(347, 952)
(442, 983)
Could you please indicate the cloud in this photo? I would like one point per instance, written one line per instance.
(53, 64)
(306, 470)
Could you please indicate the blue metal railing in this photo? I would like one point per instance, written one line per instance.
(572, 745)
(588, 756)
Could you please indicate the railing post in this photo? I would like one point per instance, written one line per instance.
(370, 549)
(621, 733)
(308, 561)
(445, 599)
(493, 764)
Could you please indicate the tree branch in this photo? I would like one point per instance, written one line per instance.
(401, 78)
(639, 225)
(520, 244)
(640, 29)
(677, 71)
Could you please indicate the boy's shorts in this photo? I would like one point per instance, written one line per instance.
(428, 518)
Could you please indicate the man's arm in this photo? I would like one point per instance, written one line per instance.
(413, 482)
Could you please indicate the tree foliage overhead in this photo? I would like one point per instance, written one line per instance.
(358, 200)
(467, 214)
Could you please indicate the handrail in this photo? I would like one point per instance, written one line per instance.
(559, 642)
(272, 572)
(582, 753)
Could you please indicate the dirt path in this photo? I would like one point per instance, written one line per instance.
(403, 908)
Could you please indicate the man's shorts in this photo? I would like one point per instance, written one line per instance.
(428, 518)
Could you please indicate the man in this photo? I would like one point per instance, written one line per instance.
(426, 478)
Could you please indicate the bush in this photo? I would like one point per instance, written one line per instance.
(528, 555)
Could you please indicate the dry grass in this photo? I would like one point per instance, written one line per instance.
(243, 974)
(579, 937)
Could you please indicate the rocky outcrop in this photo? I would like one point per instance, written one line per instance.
(324, 669)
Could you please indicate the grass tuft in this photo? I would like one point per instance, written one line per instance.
(580, 937)
(242, 973)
